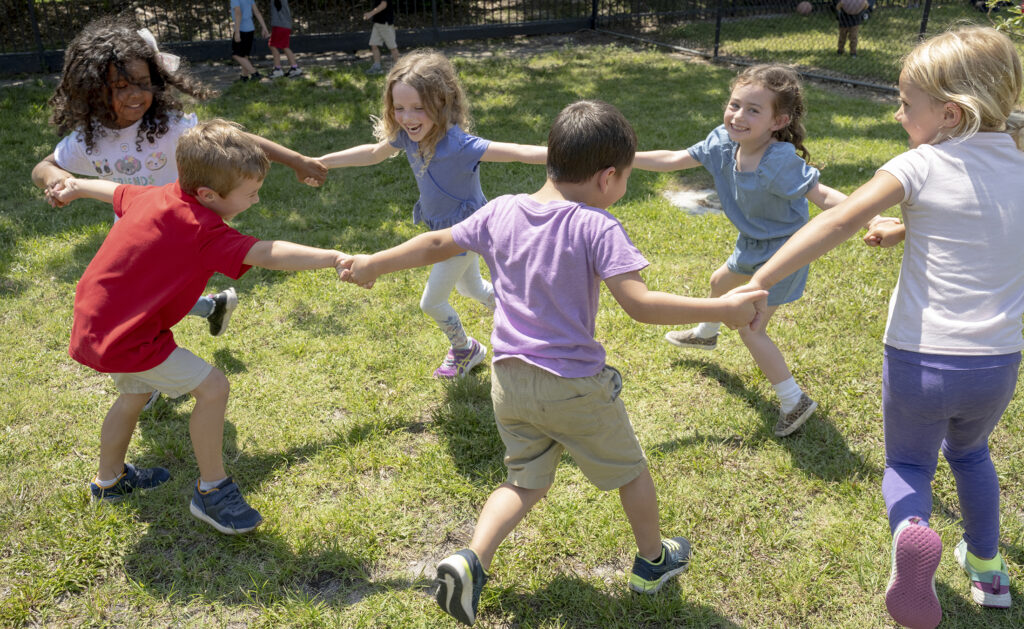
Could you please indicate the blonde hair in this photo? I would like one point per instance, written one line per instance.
(978, 69)
(784, 83)
(432, 76)
(218, 154)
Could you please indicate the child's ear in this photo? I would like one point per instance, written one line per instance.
(952, 114)
(781, 122)
(206, 194)
(604, 178)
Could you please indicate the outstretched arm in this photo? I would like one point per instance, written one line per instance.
(506, 152)
(307, 169)
(418, 251)
(829, 229)
(664, 161)
(362, 155)
(281, 255)
(649, 306)
(72, 189)
(825, 197)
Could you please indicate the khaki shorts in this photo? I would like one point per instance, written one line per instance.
(383, 34)
(540, 414)
(181, 373)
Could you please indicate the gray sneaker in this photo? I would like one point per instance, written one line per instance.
(687, 338)
(374, 69)
(789, 422)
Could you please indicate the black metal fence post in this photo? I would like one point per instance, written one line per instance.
(35, 33)
(718, 27)
(593, 15)
(433, 17)
(924, 18)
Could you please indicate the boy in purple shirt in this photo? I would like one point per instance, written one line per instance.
(548, 253)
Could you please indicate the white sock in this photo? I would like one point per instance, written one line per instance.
(707, 329)
(789, 393)
(205, 486)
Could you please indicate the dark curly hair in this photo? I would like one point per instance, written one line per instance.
(82, 99)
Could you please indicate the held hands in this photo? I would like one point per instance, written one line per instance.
(751, 302)
(54, 191)
(885, 231)
(60, 193)
(311, 171)
(357, 270)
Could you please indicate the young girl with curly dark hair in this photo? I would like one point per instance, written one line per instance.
(118, 109)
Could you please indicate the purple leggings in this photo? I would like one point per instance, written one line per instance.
(953, 402)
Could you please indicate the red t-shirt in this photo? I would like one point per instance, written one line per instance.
(147, 275)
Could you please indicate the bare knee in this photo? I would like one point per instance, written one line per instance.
(214, 388)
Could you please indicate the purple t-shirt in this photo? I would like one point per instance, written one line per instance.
(547, 261)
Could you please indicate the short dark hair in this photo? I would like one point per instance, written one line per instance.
(587, 137)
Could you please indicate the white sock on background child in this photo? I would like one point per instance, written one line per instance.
(707, 329)
(789, 393)
(205, 486)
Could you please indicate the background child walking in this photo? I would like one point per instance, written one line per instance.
(764, 186)
(551, 388)
(425, 113)
(953, 337)
(147, 273)
(117, 102)
(243, 33)
(280, 39)
(382, 34)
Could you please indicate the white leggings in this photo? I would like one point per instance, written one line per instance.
(461, 273)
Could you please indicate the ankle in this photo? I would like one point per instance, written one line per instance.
(985, 565)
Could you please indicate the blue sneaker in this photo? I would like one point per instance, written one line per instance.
(459, 581)
(131, 478)
(224, 509)
(647, 578)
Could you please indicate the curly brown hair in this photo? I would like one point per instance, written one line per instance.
(784, 82)
(82, 99)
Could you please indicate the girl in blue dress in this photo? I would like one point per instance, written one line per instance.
(764, 185)
(425, 114)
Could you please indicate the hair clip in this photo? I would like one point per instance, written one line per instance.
(167, 61)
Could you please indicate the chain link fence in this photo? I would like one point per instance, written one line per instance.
(801, 32)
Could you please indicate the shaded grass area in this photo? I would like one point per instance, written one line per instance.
(368, 471)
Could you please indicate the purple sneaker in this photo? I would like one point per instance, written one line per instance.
(910, 597)
(458, 362)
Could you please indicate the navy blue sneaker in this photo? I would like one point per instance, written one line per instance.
(459, 581)
(224, 508)
(131, 478)
(648, 577)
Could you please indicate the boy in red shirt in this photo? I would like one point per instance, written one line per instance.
(147, 275)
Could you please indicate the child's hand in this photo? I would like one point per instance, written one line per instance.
(53, 191)
(62, 192)
(885, 233)
(356, 270)
(367, 15)
(746, 304)
(311, 172)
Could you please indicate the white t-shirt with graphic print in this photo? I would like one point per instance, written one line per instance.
(114, 156)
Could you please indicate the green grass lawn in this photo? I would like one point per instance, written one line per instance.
(810, 41)
(368, 471)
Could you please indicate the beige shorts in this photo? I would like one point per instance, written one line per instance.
(540, 414)
(181, 373)
(383, 34)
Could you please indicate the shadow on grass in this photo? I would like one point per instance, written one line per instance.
(465, 422)
(818, 447)
(548, 607)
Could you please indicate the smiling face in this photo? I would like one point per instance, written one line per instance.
(922, 117)
(750, 115)
(130, 96)
(409, 111)
(241, 198)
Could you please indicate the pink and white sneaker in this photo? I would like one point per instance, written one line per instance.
(458, 362)
(910, 597)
